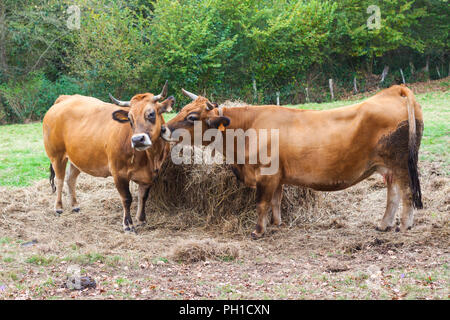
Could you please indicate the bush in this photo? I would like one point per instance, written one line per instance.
(29, 99)
(217, 48)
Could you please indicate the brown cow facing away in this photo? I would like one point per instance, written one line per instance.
(324, 150)
(102, 139)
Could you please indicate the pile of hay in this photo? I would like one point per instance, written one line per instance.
(209, 196)
(201, 250)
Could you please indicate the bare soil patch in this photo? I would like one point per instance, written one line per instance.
(338, 254)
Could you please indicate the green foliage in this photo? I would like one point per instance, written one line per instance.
(28, 99)
(110, 49)
(218, 48)
(397, 19)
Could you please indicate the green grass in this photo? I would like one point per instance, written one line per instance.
(41, 260)
(22, 155)
(23, 159)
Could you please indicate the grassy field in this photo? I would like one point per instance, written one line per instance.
(23, 159)
(336, 254)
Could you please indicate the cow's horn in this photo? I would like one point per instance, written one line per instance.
(162, 94)
(118, 102)
(189, 94)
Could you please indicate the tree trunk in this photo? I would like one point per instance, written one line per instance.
(3, 30)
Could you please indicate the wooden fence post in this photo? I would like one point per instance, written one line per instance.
(255, 97)
(330, 81)
(355, 88)
(384, 73)
(403, 77)
(307, 94)
(278, 98)
(411, 65)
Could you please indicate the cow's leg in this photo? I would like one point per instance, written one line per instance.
(59, 166)
(123, 186)
(237, 173)
(264, 194)
(407, 217)
(143, 196)
(276, 205)
(393, 200)
(71, 183)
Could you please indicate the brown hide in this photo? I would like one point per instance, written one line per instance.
(324, 150)
(87, 132)
(83, 130)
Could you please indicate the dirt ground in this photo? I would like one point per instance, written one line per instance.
(339, 255)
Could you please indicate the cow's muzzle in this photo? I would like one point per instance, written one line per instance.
(141, 141)
(166, 134)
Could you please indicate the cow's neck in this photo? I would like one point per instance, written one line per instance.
(240, 117)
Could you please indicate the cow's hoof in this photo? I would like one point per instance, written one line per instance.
(129, 229)
(59, 211)
(402, 229)
(141, 224)
(383, 230)
(256, 236)
(77, 209)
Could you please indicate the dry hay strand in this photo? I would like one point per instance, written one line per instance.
(200, 250)
(210, 196)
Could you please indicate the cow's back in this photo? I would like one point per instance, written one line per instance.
(333, 149)
(82, 129)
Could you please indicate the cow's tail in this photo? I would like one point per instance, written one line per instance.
(52, 178)
(413, 151)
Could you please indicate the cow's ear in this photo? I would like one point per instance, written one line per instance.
(121, 116)
(218, 122)
(211, 105)
(166, 105)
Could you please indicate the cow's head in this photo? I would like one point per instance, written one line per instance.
(200, 109)
(144, 113)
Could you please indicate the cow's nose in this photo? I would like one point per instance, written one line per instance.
(141, 141)
(138, 138)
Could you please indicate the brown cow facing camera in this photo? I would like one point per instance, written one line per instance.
(102, 139)
(324, 150)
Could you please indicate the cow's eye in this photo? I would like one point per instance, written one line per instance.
(151, 115)
(192, 117)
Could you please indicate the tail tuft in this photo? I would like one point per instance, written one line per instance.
(413, 150)
(414, 178)
(52, 178)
